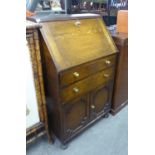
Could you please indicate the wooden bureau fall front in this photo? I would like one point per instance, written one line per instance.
(79, 59)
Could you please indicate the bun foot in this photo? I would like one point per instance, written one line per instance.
(106, 115)
(63, 146)
(53, 139)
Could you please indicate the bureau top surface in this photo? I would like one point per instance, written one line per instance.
(47, 17)
(74, 42)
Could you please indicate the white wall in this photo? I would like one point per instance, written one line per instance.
(31, 100)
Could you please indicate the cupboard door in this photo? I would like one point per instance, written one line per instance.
(100, 100)
(75, 115)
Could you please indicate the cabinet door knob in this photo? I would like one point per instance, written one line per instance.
(106, 75)
(76, 74)
(108, 62)
(76, 90)
(93, 106)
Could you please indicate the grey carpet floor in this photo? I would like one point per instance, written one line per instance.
(106, 137)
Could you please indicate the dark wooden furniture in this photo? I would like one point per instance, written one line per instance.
(40, 128)
(79, 59)
(120, 96)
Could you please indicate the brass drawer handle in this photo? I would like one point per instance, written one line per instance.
(108, 62)
(93, 106)
(76, 90)
(77, 23)
(106, 75)
(76, 74)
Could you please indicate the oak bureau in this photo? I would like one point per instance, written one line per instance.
(79, 59)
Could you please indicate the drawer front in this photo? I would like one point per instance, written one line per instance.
(86, 85)
(80, 72)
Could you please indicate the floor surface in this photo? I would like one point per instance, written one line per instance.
(108, 136)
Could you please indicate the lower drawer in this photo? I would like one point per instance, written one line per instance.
(86, 85)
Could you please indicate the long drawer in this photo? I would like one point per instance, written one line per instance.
(77, 73)
(86, 85)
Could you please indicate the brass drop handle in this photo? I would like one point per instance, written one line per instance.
(108, 62)
(76, 90)
(106, 75)
(77, 23)
(76, 74)
(93, 106)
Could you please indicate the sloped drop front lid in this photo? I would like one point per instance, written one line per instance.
(77, 41)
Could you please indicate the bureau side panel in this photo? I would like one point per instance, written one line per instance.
(51, 89)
